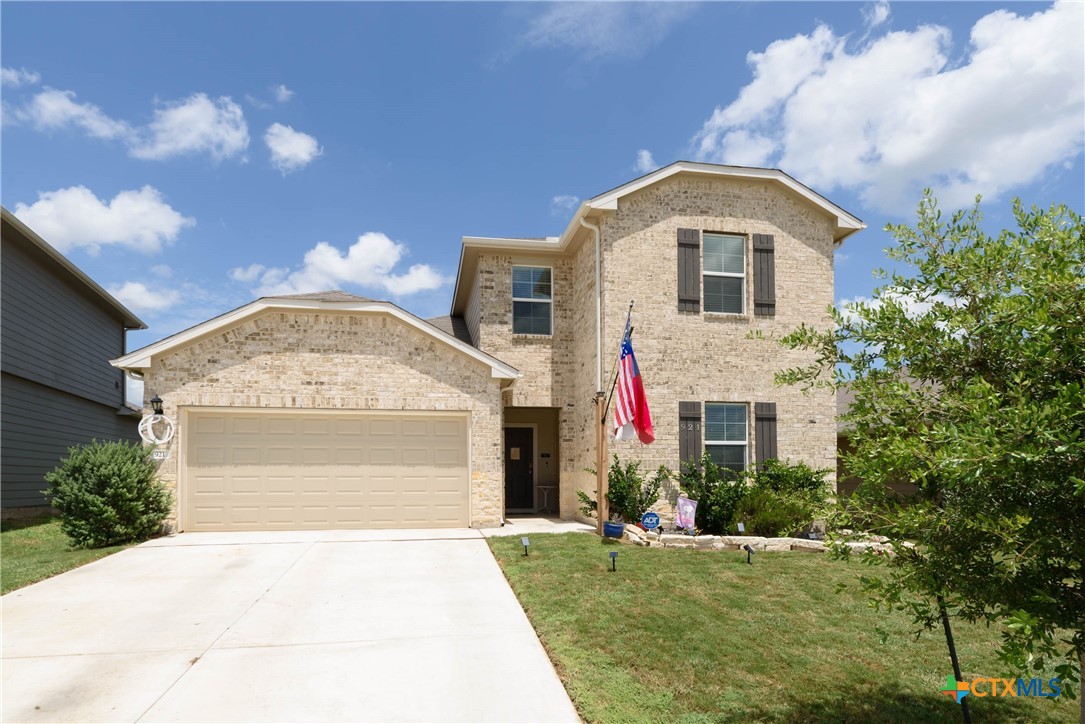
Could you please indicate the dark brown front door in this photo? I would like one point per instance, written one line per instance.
(519, 469)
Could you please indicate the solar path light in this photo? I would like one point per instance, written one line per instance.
(526, 543)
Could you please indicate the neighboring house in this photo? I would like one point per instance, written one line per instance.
(59, 332)
(846, 484)
(328, 410)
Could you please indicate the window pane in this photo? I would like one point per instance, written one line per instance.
(724, 254)
(723, 294)
(531, 317)
(530, 282)
(732, 457)
(725, 423)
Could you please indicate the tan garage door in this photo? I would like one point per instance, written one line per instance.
(297, 471)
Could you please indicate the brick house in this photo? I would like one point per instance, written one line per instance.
(330, 410)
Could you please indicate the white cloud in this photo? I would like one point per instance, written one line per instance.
(290, 149)
(563, 204)
(74, 217)
(197, 124)
(52, 110)
(645, 162)
(875, 13)
(162, 270)
(604, 29)
(256, 102)
(282, 93)
(247, 274)
(895, 114)
(18, 77)
(369, 263)
(912, 306)
(140, 299)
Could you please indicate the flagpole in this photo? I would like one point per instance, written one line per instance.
(602, 404)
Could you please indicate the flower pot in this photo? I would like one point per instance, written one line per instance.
(613, 530)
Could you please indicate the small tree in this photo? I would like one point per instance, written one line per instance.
(968, 372)
(629, 495)
(107, 494)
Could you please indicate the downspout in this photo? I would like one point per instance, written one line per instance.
(598, 306)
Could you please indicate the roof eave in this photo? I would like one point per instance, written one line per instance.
(143, 358)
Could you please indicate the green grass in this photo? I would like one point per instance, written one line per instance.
(699, 636)
(36, 549)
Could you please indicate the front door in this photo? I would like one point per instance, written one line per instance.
(519, 469)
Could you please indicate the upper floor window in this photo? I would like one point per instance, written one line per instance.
(532, 300)
(724, 273)
(725, 435)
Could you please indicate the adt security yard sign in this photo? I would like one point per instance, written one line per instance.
(650, 521)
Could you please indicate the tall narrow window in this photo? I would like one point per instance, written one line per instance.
(532, 300)
(724, 273)
(725, 436)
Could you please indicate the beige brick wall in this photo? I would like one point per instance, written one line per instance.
(336, 361)
(543, 359)
(700, 356)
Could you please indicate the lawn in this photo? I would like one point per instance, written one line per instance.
(700, 636)
(33, 550)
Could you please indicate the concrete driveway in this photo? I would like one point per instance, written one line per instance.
(308, 626)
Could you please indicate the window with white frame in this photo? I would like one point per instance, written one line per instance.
(724, 273)
(532, 300)
(725, 434)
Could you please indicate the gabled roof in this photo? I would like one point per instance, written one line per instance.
(331, 301)
(129, 320)
(846, 223)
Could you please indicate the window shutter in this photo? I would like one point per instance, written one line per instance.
(689, 431)
(765, 430)
(764, 275)
(689, 270)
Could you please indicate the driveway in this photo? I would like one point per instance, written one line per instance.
(307, 626)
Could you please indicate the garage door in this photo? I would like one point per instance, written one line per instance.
(292, 471)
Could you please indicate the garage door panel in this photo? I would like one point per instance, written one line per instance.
(283, 471)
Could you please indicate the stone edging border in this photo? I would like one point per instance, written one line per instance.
(636, 536)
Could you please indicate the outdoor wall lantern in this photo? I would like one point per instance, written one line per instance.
(156, 404)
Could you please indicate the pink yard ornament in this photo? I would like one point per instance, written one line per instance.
(685, 513)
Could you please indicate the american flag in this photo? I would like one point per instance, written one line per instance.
(631, 407)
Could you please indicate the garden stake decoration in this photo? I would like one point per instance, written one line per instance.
(526, 543)
(613, 561)
(749, 553)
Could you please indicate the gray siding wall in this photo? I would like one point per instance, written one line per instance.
(54, 332)
(38, 426)
(59, 389)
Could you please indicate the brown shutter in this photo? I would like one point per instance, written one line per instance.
(689, 270)
(689, 431)
(764, 275)
(765, 428)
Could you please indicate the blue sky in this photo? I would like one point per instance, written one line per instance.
(192, 156)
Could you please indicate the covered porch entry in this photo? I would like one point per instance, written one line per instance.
(531, 461)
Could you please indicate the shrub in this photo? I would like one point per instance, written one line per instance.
(767, 513)
(718, 492)
(107, 494)
(629, 495)
(783, 498)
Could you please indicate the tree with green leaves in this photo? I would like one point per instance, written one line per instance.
(968, 374)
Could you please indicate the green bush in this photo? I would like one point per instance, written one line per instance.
(783, 498)
(629, 495)
(768, 513)
(718, 492)
(107, 494)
